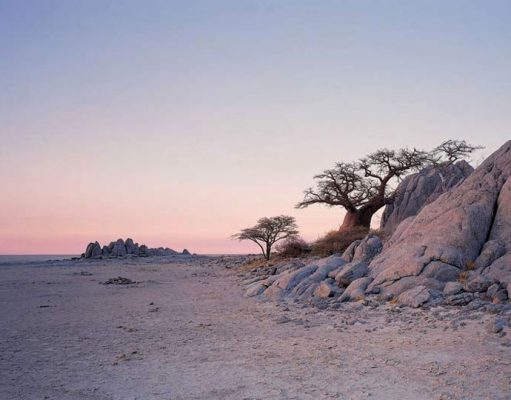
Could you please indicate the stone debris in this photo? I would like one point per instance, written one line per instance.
(119, 281)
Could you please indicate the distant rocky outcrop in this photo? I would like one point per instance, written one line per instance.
(421, 188)
(128, 248)
(456, 250)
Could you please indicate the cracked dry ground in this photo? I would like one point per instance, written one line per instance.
(184, 331)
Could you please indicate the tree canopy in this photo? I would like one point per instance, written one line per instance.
(268, 231)
(364, 186)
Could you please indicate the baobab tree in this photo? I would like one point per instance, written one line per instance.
(268, 231)
(365, 186)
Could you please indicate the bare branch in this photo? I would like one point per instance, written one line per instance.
(369, 184)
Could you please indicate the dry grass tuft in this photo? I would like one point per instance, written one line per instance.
(335, 242)
(258, 262)
(293, 247)
(463, 277)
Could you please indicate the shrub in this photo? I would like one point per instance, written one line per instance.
(463, 277)
(337, 241)
(293, 247)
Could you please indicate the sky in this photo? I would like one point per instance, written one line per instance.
(177, 123)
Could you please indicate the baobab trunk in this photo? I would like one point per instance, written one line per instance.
(357, 219)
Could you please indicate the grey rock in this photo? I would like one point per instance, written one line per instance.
(332, 274)
(414, 297)
(130, 247)
(255, 289)
(441, 271)
(500, 296)
(492, 290)
(452, 229)
(186, 252)
(452, 288)
(477, 283)
(356, 290)
(326, 288)
(417, 190)
(289, 279)
(119, 281)
(350, 272)
(119, 248)
(495, 326)
(105, 251)
(459, 299)
(500, 269)
(350, 251)
(93, 250)
(492, 250)
(367, 249)
(324, 267)
(143, 251)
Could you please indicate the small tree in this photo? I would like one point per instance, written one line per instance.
(364, 186)
(268, 231)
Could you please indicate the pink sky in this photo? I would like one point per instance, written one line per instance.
(179, 123)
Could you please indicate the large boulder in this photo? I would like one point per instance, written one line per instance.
(131, 247)
(93, 250)
(424, 187)
(450, 232)
(499, 261)
(414, 297)
(119, 248)
(356, 289)
(105, 251)
(324, 267)
(326, 288)
(367, 249)
(350, 272)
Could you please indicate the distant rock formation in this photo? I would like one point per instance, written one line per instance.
(424, 187)
(93, 250)
(128, 248)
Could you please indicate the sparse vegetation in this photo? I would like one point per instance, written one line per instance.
(293, 247)
(471, 265)
(268, 231)
(335, 242)
(463, 277)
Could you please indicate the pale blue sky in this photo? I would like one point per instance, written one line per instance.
(178, 122)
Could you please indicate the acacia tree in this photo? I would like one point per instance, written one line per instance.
(364, 186)
(268, 231)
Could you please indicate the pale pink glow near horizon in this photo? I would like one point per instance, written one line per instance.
(179, 123)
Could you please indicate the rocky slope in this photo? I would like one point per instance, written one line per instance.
(120, 248)
(456, 250)
(421, 188)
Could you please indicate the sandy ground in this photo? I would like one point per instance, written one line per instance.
(185, 331)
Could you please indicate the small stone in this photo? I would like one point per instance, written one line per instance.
(495, 326)
(459, 299)
(325, 289)
(478, 283)
(500, 297)
(492, 290)
(452, 288)
(414, 297)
